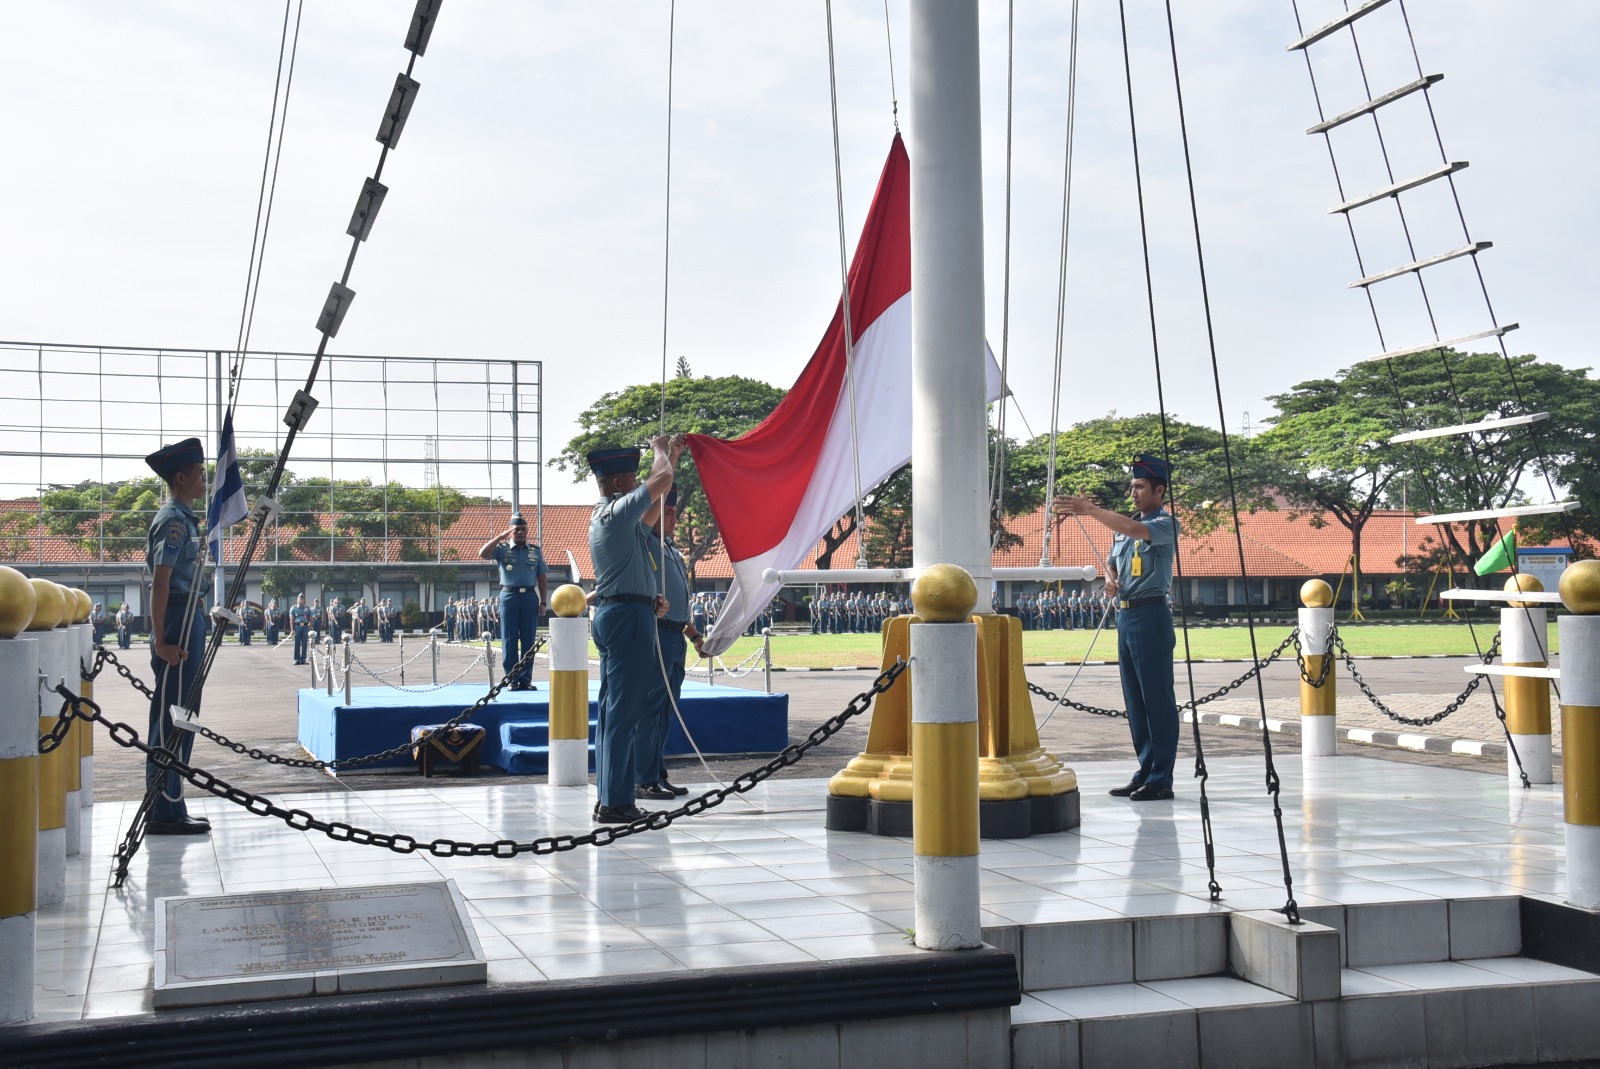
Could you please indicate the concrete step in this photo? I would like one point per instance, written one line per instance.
(1436, 983)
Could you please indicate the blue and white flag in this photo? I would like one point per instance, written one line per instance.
(227, 503)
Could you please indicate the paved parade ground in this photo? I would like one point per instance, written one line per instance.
(250, 698)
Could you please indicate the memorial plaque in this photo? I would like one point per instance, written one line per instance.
(292, 944)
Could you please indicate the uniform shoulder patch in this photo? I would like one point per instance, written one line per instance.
(176, 532)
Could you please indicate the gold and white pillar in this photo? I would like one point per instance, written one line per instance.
(569, 688)
(19, 797)
(1319, 736)
(51, 845)
(1580, 730)
(944, 743)
(1525, 643)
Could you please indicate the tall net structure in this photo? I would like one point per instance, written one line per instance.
(400, 449)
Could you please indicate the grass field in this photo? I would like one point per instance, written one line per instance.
(1232, 643)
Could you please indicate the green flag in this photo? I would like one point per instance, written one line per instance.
(1501, 555)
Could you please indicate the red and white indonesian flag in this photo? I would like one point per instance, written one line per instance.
(778, 489)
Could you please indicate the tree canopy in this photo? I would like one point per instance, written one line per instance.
(1331, 440)
(724, 407)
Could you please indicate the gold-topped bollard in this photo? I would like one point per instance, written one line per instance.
(1579, 628)
(1319, 736)
(76, 625)
(19, 796)
(1525, 643)
(569, 688)
(50, 610)
(944, 780)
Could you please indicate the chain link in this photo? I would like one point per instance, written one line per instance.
(77, 706)
(52, 739)
(1420, 722)
(1228, 688)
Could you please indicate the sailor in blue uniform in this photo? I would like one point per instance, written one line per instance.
(524, 586)
(178, 630)
(628, 600)
(300, 618)
(675, 630)
(1142, 555)
(272, 622)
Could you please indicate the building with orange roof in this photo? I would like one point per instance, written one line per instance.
(1282, 549)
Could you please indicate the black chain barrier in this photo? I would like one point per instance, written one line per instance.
(1419, 722)
(1251, 673)
(339, 764)
(79, 707)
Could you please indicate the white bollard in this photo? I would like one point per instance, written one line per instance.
(72, 764)
(52, 843)
(944, 773)
(86, 739)
(1525, 642)
(1580, 741)
(569, 701)
(19, 825)
(347, 658)
(1319, 736)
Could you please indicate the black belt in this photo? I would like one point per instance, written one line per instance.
(1156, 599)
(680, 626)
(631, 599)
(518, 590)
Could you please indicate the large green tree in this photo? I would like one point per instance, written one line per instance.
(724, 407)
(1332, 440)
(113, 516)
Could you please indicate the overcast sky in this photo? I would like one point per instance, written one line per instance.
(527, 209)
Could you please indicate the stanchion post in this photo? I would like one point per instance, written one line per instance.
(67, 643)
(328, 663)
(569, 688)
(433, 658)
(766, 654)
(1525, 643)
(51, 844)
(944, 779)
(1319, 735)
(84, 729)
(313, 643)
(403, 660)
(488, 656)
(1579, 628)
(19, 797)
(348, 656)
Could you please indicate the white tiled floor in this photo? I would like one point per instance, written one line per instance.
(766, 883)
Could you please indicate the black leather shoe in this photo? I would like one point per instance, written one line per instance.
(1150, 794)
(1123, 792)
(654, 791)
(619, 814)
(181, 826)
(677, 792)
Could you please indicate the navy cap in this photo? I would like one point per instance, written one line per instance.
(171, 459)
(517, 520)
(1146, 466)
(604, 462)
(672, 496)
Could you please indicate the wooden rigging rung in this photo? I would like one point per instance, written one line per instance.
(1336, 25)
(1470, 428)
(1448, 343)
(1377, 102)
(1400, 187)
(1525, 671)
(1499, 514)
(1417, 265)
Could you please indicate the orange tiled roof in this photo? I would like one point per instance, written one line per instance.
(1277, 544)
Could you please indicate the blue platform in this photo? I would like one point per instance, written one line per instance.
(724, 720)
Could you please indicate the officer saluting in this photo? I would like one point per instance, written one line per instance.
(524, 586)
(628, 602)
(178, 635)
(1141, 556)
